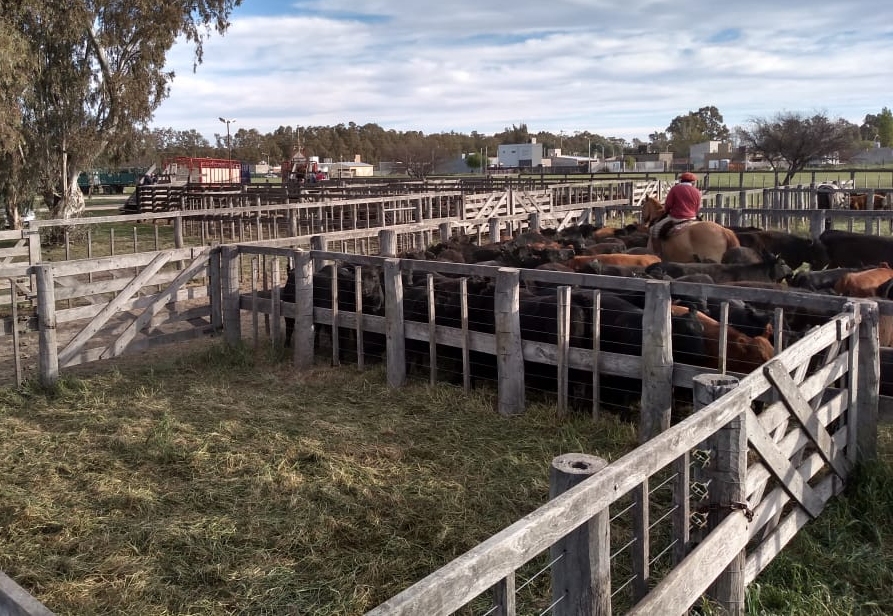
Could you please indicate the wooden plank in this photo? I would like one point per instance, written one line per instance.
(808, 420)
(140, 345)
(112, 307)
(394, 338)
(657, 361)
(776, 501)
(160, 300)
(780, 467)
(682, 586)
(776, 413)
(70, 315)
(16, 601)
(509, 350)
(758, 474)
(769, 548)
(119, 262)
(563, 318)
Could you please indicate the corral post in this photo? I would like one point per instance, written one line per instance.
(178, 231)
(868, 381)
(445, 232)
(303, 334)
(509, 352)
(387, 243)
(657, 361)
(816, 223)
(229, 283)
(276, 312)
(46, 309)
(598, 216)
(494, 229)
(726, 477)
(395, 339)
(214, 289)
(293, 221)
(581, 573)
(533, 222)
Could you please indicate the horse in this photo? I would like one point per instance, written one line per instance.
(692, 241)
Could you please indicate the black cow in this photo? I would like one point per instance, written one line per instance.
(621, 332)
(822, 280)
(792, 248)
(372, 294)
(448, 312)
(848, 249)
(773, 269)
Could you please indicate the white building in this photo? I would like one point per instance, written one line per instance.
(520, 154)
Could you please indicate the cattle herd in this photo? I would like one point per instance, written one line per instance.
(837, 263)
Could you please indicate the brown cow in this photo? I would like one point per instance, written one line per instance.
(744, 354)
(864, 283)
(627, 259)
(859, 201)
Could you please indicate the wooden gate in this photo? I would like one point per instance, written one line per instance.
(123, 303)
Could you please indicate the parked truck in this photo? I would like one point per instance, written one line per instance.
(107, 182)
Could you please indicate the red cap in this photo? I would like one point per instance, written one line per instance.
(688, 176)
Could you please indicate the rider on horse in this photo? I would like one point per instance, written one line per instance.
(683, 203)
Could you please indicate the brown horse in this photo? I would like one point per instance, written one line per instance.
(695, 241)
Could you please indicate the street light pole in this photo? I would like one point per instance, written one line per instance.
(229, 143)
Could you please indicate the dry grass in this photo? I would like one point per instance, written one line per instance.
(223, 483)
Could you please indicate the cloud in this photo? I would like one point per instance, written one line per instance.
(610, 68)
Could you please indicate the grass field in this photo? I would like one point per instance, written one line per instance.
(220, 482)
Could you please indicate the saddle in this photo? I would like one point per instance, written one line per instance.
(673, 227)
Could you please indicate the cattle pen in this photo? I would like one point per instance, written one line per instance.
(806, 417)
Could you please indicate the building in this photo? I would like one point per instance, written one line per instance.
(352, 169)
(525, 155)
(716, 155)
(873, 156)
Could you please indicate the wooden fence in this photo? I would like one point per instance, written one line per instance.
(777, 447)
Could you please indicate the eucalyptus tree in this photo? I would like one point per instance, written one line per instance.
(97, 76)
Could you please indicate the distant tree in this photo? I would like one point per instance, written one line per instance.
(705, 124)
(659, 140)
(473, 161)
(98, 77)
(515, 134)
(885, 128)
(793, 140)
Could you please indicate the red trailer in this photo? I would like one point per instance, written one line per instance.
(204, 172)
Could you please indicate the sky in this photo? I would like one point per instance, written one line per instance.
(614, 68)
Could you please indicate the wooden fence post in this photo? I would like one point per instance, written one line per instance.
(533, 222)
(494, 230)
(868, 380)
(229, 283)
(657, 361)
(303, 334)
(46, 308)
(395, 340)
(214, 289)
(445, 232)
(387, 243)
(509, 352)
(726, 477)
(816, 223)
(276, 312)
(581, 573)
